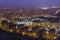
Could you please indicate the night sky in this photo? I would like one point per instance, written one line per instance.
(35, 3)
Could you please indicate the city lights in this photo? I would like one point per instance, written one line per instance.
(40, 25)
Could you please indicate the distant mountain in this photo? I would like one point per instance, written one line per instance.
(54, 9)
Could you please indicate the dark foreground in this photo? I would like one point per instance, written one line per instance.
(13, 36)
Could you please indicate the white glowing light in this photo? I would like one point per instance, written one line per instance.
(54, 7)
(45, 8)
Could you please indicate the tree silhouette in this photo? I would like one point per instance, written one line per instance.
(41, 32)
(4, 22)
(11, 25)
